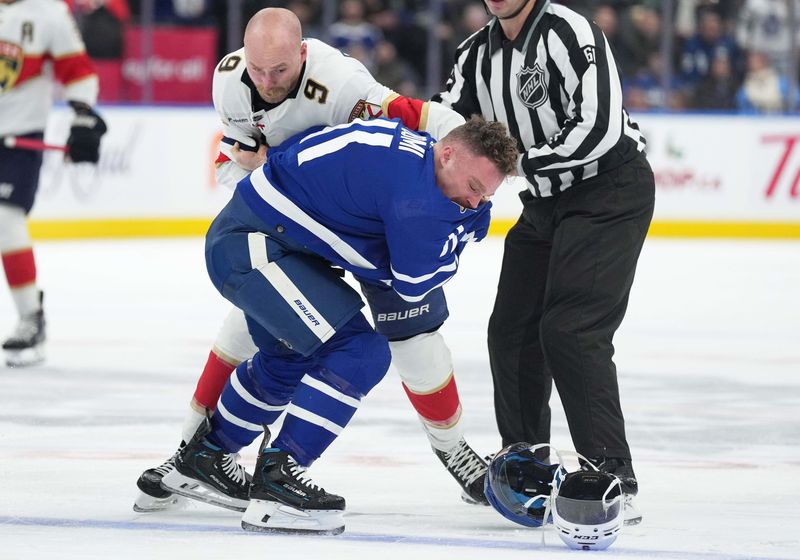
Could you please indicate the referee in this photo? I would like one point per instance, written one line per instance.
(569, 261)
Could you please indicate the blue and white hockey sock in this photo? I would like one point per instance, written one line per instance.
(243, 409)
(318, 413)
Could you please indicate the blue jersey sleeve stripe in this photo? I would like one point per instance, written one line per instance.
(376, 123)
(340, 142)
(418, 297)
(452, 267)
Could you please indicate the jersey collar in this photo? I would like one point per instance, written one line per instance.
(497, 39)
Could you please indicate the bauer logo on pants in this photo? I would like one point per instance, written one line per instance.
(11, 57)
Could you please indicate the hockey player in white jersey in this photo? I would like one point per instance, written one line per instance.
(39, 42)
(277, 86)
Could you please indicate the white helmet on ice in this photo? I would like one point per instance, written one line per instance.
(588, 510)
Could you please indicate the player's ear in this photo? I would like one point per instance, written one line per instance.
(303, 52)
(447, 153)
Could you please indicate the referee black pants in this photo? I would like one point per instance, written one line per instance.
(567, 272)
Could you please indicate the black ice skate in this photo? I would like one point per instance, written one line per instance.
(623, 470)
(206, 473)
(25, 347)
(468, 469)
(152, 497)
(282, 500)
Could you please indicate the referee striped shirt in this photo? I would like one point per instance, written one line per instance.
(557, 88)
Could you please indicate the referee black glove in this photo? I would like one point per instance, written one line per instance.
(83, 144)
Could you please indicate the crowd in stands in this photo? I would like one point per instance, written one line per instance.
(723, 55)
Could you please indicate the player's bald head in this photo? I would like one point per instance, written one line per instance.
(273, 29)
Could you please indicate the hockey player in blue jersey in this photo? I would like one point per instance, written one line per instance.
(373, 198)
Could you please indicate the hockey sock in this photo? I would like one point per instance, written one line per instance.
(440, 413)
(318, 413)
(192, 421)
(244, 408)
(426, 369)
(351, 363)
(212, 381)
(20, 269)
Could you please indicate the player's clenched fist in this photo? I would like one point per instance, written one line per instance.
(248, 159)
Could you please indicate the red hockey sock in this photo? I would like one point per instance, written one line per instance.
(440, 408)
(212, 381)
(20, 268)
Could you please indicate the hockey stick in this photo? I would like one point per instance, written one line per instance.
(30, 144)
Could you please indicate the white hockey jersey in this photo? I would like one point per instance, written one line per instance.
(332, 89)
(39, 42)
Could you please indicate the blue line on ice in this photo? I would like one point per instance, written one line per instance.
(353, 537)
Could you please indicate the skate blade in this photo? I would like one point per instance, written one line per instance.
(148, 504)
(263, 516)
(193, 489)
(25, 358)
(632, 514)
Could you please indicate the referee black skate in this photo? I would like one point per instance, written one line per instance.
(569, 261)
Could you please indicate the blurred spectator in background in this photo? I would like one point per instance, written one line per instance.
(639, 38)
(399, 24)
(686, 14)
(101, 23)
(719, 88)
(607, 19)
(765, 90)
(308, 12)
(711, 40)
(394, 72)
(645, 90)
(764, 26)
(473, 17)
(353, 34)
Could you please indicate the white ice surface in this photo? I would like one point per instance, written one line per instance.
(709, 369)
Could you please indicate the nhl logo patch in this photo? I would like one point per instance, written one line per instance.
(11, 57)
(531, 88)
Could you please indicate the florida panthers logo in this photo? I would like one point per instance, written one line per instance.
(11, 57)
(531, 88)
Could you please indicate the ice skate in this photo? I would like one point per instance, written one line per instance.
(25, 347)
(282, 500)
(468, 469)
(623, 470)
(152, 497)
(206, 473)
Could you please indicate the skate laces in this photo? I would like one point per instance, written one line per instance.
(233, 469)
(465, 463)
(167, 466)
(298, 473)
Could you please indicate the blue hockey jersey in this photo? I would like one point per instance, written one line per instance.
(363, 196)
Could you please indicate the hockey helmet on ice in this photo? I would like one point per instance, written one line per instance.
(588, 510)
(518, 485)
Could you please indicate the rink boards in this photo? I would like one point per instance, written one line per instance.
(717, 176)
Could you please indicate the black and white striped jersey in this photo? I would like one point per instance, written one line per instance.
(557, 88)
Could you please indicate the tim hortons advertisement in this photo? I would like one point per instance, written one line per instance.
(725, 168)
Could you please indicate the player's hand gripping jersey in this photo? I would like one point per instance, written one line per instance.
(364, 196)
(332, 89)
(35, 35)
